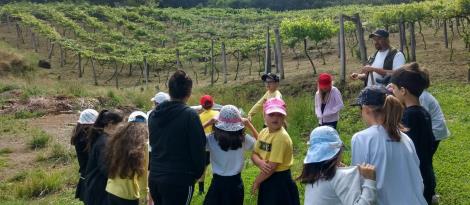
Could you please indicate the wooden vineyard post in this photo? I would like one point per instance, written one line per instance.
(178, 61)
(146, 76)
(401, 26)
(446, 39)
(212, 61)
(279, 64)
(342, 48)
(412, 42)
(51, 50)
(79, 65)
(360, 35)
(224, 60)
(116, 73)
(94, 71)
(62, 58)
(267, 60)
(33, 41)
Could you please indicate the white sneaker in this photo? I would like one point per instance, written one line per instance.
(435, 199)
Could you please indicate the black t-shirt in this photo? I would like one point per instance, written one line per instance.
(418, 121)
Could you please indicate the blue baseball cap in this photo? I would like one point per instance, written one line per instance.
(372, 95)
(379, 33)
(324, 144)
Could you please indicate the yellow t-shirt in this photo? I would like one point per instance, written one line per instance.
(131, 189)
(259, 105)
(205, 116)
(275, 147)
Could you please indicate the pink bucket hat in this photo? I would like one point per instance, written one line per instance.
(275, 105)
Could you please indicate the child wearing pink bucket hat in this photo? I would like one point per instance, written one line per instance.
(227, 145)
(273, 155)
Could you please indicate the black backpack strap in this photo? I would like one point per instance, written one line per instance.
(388, 62)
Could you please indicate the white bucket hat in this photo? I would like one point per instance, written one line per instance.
(324, 144)
(88, 116)
(229, 119)
(160, 97)
(137, 116)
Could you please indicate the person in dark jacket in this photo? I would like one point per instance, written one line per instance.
(79, 141)
(96, 175)
(178, 144)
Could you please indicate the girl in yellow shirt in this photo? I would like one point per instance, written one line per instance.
(127, 161)
(273, 156)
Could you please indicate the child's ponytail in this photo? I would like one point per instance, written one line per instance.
(392, 113)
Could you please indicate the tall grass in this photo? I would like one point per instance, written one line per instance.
(39, 140)
(39, 183)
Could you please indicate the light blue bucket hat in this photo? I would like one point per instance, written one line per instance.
(324, 144)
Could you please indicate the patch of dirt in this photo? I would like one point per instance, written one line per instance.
(46, 105)
(58, 126)
(21, 157)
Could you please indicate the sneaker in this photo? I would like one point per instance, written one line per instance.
(435, 199)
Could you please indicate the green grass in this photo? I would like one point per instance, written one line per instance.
(57, 154)
(39, 140)
(25, 114)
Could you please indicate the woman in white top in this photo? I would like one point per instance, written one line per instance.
(227, 145)
(392, 152)
(329, 184)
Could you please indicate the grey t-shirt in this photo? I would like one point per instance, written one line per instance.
(228, 163)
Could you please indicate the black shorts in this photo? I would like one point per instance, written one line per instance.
(115, 200)
(227, 190)
(279, 189)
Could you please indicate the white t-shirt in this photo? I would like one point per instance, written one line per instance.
(430, 104)
(398, 61)
(230, 162)
(399, 180)
(344, 188)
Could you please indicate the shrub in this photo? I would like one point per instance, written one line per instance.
(39, 140)
(39, 183)
(25, 114)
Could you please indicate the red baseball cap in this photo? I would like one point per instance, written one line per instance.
(206, 100)
(324, 80)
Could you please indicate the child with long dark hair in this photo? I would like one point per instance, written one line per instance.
(227, 145)
(96, 172)
(384, 145)
(79, 141)
(273, 155)
(327, 183)
(127, 161)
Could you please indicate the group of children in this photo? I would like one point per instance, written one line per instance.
(391, 159)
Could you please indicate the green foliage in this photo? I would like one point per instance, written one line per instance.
(304, 27)
(39, 140)
(57, 154)
(26, 114)
(39, 183)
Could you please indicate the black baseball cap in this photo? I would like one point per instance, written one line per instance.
(372, 95)
(379, 33)
(271, 76)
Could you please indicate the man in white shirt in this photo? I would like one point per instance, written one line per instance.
(385, 60)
